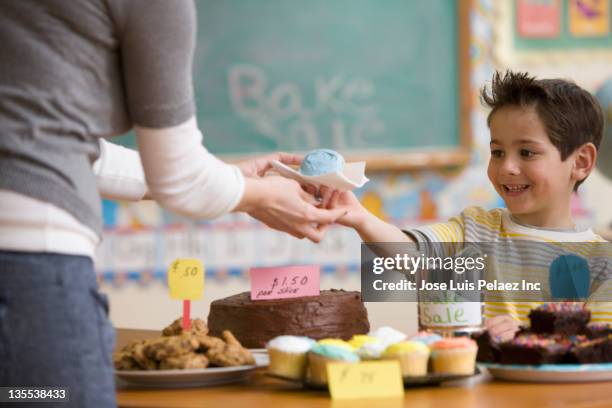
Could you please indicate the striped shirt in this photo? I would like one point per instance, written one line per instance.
(517, 253)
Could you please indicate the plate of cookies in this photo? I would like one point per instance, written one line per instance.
(185, 359)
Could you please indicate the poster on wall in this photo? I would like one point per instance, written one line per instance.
(589, 18)
(538, 18)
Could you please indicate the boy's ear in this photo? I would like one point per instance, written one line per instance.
(584, 161)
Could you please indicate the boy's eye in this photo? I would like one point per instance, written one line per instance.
(497, 153)
(527, 153)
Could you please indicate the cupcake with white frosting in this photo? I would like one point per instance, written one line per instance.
(388, 335)
(288, 356)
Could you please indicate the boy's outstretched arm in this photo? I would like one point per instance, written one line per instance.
(369, 227)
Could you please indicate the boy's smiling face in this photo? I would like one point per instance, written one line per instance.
(527, 171)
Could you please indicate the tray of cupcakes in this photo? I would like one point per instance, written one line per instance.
(560, 345)
(425, 358)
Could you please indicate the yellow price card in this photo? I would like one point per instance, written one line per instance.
(368, 379)
(186, 279)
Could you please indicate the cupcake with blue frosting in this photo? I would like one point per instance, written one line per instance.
(426, 337)
(322, 161)
(322, 354)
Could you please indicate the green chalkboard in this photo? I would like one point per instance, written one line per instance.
(369, 77)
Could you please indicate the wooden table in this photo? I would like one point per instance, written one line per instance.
(266, 392)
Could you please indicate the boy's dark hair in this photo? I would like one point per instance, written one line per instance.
(571, 115)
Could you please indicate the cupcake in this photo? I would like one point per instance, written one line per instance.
(454, 356)
(336, 342)
(426, 337)
(322, 161)
(367, 347)
(371, 351)
(320, 355)
(288, 356)
(359, 340)
(388, 335)
(412, 356)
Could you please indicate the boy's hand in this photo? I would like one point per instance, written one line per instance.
(339, 200)
(347, 201)
(502, 328)
(282, 204)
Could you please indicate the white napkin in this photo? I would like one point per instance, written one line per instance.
(352, 176)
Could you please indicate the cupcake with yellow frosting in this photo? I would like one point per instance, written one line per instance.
(288, 356)
(454, 356)
(359, 340)
(322, 354)
(412, 356)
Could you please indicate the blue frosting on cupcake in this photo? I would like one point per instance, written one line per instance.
(334, 353)
(425, 337)
(321, 161)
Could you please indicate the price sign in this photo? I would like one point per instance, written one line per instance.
(369, 379)
(186, 279)
(284, 282)
(186, 283)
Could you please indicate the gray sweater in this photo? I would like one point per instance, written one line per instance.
(74, 71)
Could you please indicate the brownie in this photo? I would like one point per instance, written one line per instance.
(534, 350)
(598, 330)
(566, 318)
(488, 350)
(598, 350)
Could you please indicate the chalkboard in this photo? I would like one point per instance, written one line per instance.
(381, 80)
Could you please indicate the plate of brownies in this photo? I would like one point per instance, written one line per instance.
(549, 373)
(559, 346)
(185, 359)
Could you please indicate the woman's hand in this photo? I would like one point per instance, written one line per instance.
(282, 204)
(258, 166)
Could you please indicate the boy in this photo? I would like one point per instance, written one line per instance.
(544, 140)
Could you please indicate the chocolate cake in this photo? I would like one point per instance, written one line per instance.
(334, 313)
(566, 318)
(533, 349)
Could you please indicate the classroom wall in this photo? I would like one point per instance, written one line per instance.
(140, 239)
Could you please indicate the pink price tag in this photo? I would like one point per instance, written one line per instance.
(285, 282)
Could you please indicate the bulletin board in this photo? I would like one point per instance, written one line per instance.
(549, 31)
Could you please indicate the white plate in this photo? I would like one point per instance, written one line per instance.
(261, 356)
(198, 377)
(551, 373)
(352, 176)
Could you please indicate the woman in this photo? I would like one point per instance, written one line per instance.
(71, 74)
